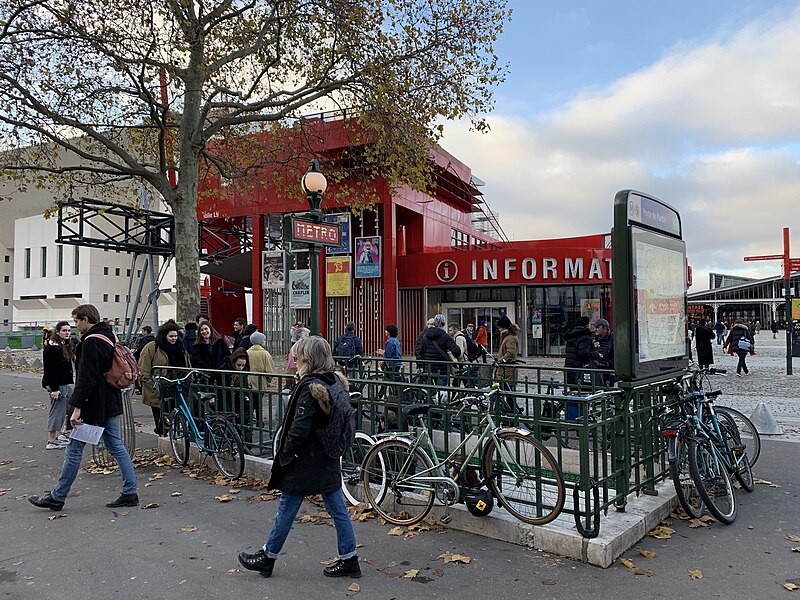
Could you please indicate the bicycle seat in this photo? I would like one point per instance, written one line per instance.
(206, 396)
(415, 409)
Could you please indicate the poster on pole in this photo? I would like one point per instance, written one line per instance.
(300, 288)
(272, 270)
(368, 257)
(337, 276)
(343, 220)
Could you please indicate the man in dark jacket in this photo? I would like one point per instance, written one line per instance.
(603, 349)
(145, 337)
(435, 344)
(703, 337)
(95, 402)
(578, 350)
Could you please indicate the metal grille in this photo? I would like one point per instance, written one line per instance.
(366, 300)
(411, 317)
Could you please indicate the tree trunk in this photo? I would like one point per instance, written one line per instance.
(187, 263)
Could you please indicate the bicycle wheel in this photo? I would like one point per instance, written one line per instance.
(524, 477)
(407, 500)
(685, 487)
(738, 452)
(747, 432)
(179, 437)
(227, 449)
(713, 481)
(352, 482)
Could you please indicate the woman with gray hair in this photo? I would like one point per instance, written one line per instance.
(302, 467)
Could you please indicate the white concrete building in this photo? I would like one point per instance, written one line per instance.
(51, 279)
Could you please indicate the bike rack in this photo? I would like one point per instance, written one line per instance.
(594, 514)
(127, 429)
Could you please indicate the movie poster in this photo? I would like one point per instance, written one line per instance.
(337, 276)
(272, 270)
(368, 257)
(300, 288)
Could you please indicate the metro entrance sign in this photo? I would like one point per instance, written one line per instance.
(312, 232)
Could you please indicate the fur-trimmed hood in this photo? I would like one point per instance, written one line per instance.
(320, 393)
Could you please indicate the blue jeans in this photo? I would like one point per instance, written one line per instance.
(719, 338)
(73, 454)
(287, 511)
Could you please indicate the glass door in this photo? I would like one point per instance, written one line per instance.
(488, 312)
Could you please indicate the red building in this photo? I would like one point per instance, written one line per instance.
(413, 256)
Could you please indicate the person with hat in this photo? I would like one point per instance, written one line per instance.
(578, 350)
(603, 349)
(261, 362)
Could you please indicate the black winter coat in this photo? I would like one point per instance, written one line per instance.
(703, 337)
(606, 348)
(428, 351)
(579, 347)
(57, 371)
(204, 356)
(301, 466)
(97, 400)
(737, 332)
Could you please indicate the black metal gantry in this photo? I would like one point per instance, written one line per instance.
(128, 228)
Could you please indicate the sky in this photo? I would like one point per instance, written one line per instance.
(696, 103)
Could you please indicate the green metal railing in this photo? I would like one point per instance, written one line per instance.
(605, 439)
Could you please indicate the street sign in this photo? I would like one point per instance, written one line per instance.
(794, 263)
(322, 234)
(765, 257)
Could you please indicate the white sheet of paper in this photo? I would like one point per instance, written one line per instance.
(90, 434)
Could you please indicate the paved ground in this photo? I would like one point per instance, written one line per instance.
(94, 553)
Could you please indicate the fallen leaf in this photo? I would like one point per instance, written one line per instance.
(792, 537)
(234, 570)
(123, 513)
(695, 523)
(449, 557)
(791, 586)
(695, 573)
(396, 531)
(224, 498)
(189, 528)
(151, 505)
(647, 553)
(176, 494)
(330, 561)
(549, 582)
(662, 532)
(797, 549)
(627, 563)
(641, 571)
(708, 519)
(54, 517)
(354, 587)
(411, 573)
(438, 572)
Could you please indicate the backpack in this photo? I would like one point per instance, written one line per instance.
(473, 350)
(345, 346)
(338, 436)
(124, 371)
(744, 343)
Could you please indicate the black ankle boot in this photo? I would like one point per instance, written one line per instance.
(344, 568)
(257, 562)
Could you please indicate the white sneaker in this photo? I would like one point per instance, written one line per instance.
(63, 439)
(54, 446)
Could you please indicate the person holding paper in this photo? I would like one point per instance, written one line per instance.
(96, 403)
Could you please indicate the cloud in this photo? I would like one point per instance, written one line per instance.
(711, 129)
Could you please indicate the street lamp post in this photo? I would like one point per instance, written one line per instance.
(314, 185)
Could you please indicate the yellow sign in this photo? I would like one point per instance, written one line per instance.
(795, 309)
(337, 276)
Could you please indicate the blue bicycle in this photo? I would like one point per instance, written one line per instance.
(218, 438)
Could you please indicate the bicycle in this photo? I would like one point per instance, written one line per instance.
(700, 380)
(219, 437)
(517, 468)
(715, 453)
(351, 465)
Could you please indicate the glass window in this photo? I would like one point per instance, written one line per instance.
(116, 297)
(105, 270)
(27, 263)
(116, 272)
(43, 262)
(459, 240)
(60, 260)
(105, 297)
(76, 261)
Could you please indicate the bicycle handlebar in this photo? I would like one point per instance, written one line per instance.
(161, 378)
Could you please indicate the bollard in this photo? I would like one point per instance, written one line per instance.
(763, 420)
(37, 363)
